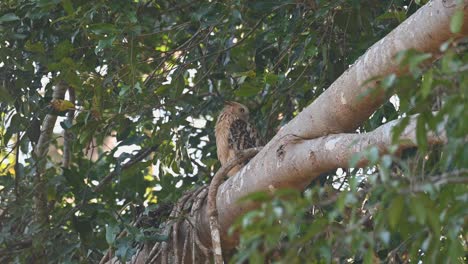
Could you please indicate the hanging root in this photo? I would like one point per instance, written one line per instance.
(240, 158)
(180, 225)
(179, 220)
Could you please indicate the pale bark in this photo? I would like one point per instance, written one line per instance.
(341, 108)
(292, 162)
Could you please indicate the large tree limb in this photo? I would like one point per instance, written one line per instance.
(341, 108)
(292, 162)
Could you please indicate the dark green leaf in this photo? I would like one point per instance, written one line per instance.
(68, 6)
(5, 96)
(427, 83)
(248, 89)
(103, 28)
(395, 210)
(8, 18)
(421, 132)
(111, 233)
(456, 22)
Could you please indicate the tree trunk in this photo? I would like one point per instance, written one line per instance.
(40, 191)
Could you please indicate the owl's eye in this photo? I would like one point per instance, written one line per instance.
(242, 110)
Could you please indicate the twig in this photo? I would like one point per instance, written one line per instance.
(17, 174)
(137, 158)
(241, 157)
(161, 252)
(450, 177)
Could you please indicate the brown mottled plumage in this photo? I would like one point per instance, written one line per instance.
(234, 132)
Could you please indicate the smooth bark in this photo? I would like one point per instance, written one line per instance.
(287, 161)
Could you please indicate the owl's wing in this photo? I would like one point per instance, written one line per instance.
(243, 135)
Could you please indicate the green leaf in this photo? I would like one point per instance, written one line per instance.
(256, 257)
(353, 162)
(68, 6)
(179, 85)
(256, 196)
(421, 132)
(5, 96)
(124, 89)
(389, 81)
(271, 79)
(400, 16)
(311, 51)
(427, 83)
(8, 18)
(434, 222)
(418, 208)
(124, 129)
(103, 28)
(248, 89)
(394, 211)
(386, 161)
(111, 233)
(316, 226)
(250, 74)
(17, 123)
(416, 60)
(47, 3)
(456, 22)
(51, 194)
(104, 43)
(398, 129)
(163, 89)
(373, 155)
(369, 257)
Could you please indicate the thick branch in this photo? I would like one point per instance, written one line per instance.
(342, 107)
(292, 162)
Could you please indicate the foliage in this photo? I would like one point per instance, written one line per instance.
(154, 74)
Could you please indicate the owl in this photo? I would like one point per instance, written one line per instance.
(234, 132)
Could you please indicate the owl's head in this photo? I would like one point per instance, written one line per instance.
(239, 110)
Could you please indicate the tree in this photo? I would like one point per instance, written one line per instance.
(153, 76)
